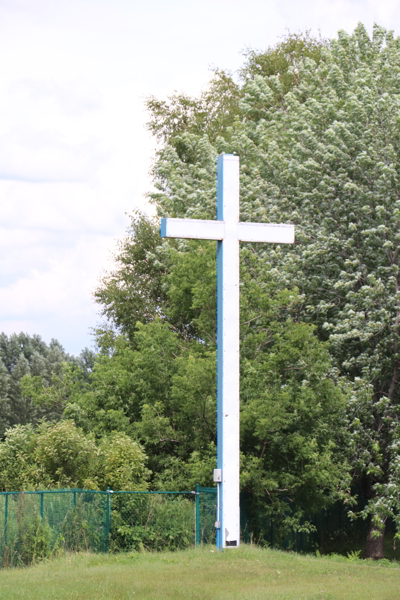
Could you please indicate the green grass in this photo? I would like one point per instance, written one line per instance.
(247, 573)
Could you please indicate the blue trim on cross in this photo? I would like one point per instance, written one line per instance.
(163, 228)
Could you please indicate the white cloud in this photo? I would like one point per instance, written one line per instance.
(44, 156)
(62, 283)
(57, 292)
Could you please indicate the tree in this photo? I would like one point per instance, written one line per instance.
(212, 113)
(49, 395)
(285, 62)
(17, 467)
(121, 464)
(215, 111)
(22, 355)
(134, 291)
(62, 455)
(329, 161)
(66, 455)
(5, 408)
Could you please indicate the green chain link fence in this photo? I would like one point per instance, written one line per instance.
(40, 524)
(37, 525)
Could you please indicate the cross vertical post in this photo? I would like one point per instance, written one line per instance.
(228, 509)
(228, 231)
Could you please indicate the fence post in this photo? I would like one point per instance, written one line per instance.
(106, 520)
(6, 531)
(272, 531)
(198, 530)
(41, 505)
(109, 514)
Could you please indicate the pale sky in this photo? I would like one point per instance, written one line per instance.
(74, 150)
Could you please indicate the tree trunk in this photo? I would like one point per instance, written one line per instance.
(374, 547)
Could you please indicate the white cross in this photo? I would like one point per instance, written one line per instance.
(228, 232)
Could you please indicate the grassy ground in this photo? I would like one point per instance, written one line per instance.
(247, 573)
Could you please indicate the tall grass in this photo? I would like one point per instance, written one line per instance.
(248, 573)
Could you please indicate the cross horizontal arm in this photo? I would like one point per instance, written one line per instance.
(266, 232)
(192, 229)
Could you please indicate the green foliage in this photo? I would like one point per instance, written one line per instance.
(152, 523)
(179, 473)
(211, 114)
(18, 470)
(284, 61)
(66, 455)
(292, 421)
(214, 113)
(134, 291)
(329, 162)
(39, 365)
(354, 556)
(33, 543)
(40, 525)
(5, 406)
(62, 455)
(80, 528)
(54, 392)
(121, 463)
(292, 399)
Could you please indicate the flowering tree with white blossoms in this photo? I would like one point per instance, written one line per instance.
(329, 160)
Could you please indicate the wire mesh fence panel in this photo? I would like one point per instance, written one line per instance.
(207, 510)
(262, 526)
(37, 525)
(152, 521)
(76, 520)
(24, 537)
